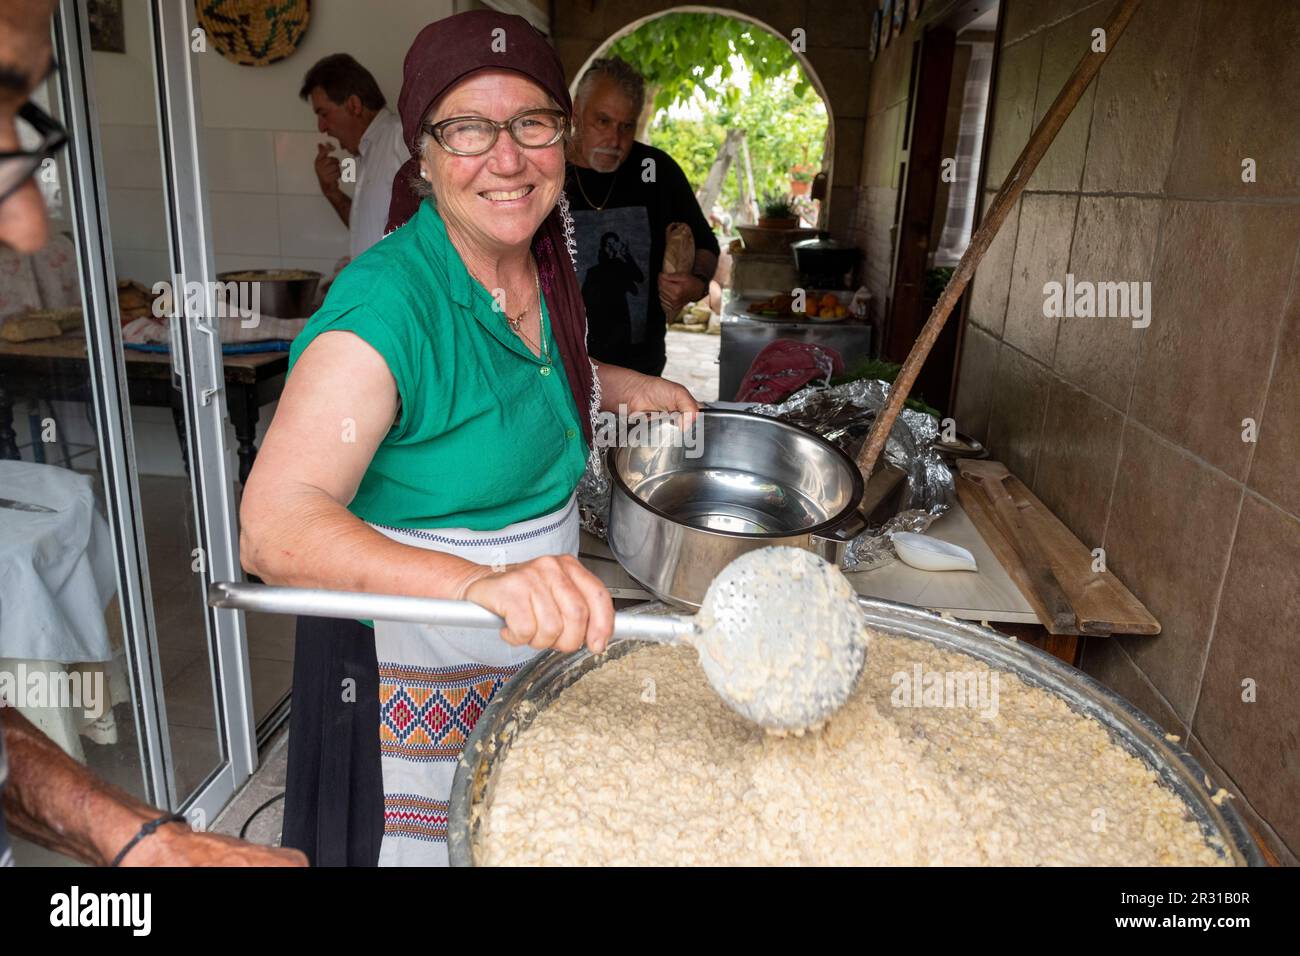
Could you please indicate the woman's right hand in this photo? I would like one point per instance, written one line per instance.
(551, 602)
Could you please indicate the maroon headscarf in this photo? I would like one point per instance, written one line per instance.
(444, 53)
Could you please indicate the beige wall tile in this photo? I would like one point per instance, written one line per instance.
(1042, 255)
(988, 305)
(1141, 87)
(890, 75)
(979, 360)
(1255, 639)
(1242, 100)
(1076, 467)
(1013, 107)
(1020, 391)
(1114, 241)
(1275, 469)
(1266, 836)
(1105, 660)
(1220, 280)
(1064, 45)
(1024, 17)
(1167, 539)
(848, 146)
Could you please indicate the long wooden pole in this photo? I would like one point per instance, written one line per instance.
(998, 210)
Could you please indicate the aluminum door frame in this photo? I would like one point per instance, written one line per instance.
(197, 364)
(212, 465)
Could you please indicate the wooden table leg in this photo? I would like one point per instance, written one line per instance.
(182, 438)
(242, 405)
(8, 437)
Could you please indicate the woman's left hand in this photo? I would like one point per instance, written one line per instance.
(645, 393)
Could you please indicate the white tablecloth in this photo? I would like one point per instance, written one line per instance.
(56, 569)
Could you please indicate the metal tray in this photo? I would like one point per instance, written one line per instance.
(545, 677)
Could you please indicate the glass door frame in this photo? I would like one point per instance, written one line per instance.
(196, 367)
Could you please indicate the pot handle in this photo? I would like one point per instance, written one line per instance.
(848, 529)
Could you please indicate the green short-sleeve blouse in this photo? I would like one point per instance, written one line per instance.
(488, 433)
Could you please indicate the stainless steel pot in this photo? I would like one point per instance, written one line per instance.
(543, 679)
(678, 516)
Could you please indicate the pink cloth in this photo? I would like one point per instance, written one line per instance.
(785, 366)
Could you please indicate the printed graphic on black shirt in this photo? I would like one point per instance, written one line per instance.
(614, 270)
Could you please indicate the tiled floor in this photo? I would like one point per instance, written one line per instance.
(266, 782)
(693, 361)
(182, 643)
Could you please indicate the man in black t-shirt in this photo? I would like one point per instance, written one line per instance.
(624, 195)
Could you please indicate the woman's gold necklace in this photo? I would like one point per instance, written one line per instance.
(577, 174)
(517, 323)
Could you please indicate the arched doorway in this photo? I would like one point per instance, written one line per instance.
(804, 163)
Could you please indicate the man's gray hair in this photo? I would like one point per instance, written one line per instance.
(619, 71)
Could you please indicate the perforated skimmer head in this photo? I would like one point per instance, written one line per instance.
(781, 637)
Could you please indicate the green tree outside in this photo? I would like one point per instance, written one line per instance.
(708, 73)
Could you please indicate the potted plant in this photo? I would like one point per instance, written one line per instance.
(778, 213)
(801, 177)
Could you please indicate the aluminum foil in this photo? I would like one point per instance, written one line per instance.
(843, 414)
(593, 497)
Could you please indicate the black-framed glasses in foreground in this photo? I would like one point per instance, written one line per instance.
(474, 135)
(18, 166)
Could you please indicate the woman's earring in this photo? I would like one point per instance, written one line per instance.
(423, 174)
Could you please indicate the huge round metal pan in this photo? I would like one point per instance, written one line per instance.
(544, 678)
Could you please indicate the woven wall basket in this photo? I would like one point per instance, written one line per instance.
(254, 32)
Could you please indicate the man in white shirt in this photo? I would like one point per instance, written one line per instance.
(350, 107)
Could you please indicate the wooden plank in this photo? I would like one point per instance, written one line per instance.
(991, 476)
(1101, 602)
(980, 512)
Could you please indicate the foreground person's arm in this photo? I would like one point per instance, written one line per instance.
(295, 528)
(57, 803)
(634, 392)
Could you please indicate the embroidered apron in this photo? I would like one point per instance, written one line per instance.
(435, 683)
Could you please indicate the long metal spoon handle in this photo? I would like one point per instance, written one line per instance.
(318, 602)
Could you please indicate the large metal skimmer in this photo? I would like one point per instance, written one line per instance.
(779, 633)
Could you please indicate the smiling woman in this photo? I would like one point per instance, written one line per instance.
(428, 442)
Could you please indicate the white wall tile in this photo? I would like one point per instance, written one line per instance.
(124, 84)
(295, 158)
(146, 266)
(136, 218)
(231, 262)
(245, 224)
(239, 160)
(131, 159)
(311, 229)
